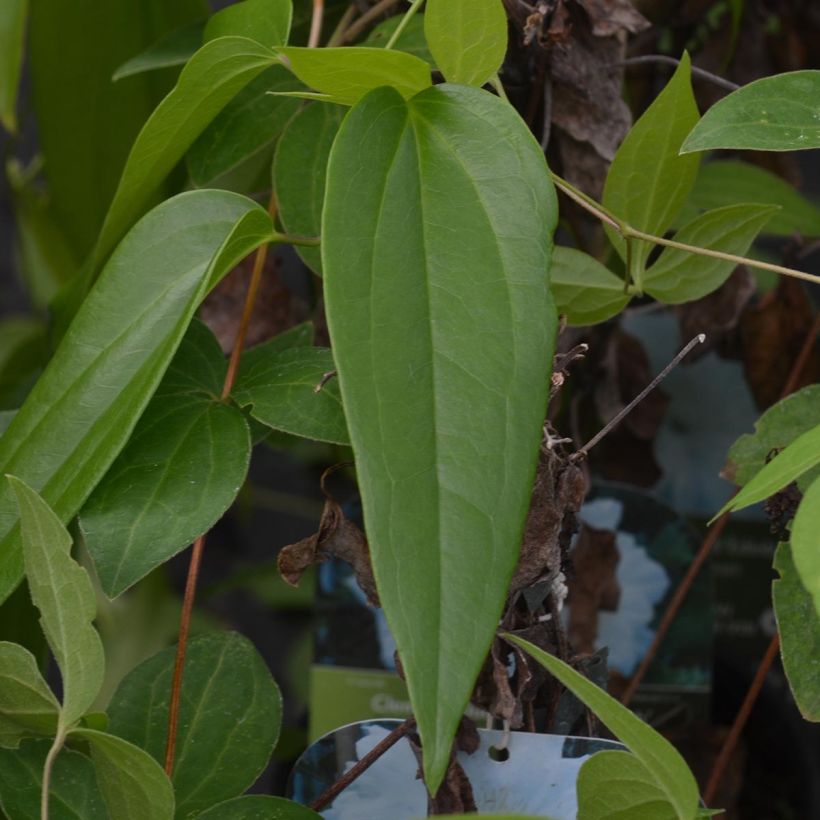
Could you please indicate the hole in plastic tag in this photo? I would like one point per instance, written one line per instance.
(537, 777)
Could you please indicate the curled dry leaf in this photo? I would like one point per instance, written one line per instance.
(338, 537)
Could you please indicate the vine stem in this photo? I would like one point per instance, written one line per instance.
(353, 31)
(316, 23)
(408, 16)
(627, 232)
(48, 766)
(347, 18)
(199, 545)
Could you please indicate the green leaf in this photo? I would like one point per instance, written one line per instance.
(25, 698)
(6, 417)
(775, 429)
(585, 291)
(467, 38)
(805, 529)
(299, 170)
(85, 123)
(279, 387)
(648, 182)
(412, 39)
(229, 719)
(617, 786)
(799, 628)
(182, 468)
(46, 260)
(800, 456)
(726, 182)
(132, 783)
(12, 38)
(245, 130)
(265, 21)
(73, 793)
(779, 113)
(23, 354)
(437, 288)
(84, 407)
(680, 276)
(210, 80)
(62, 591)
(258, 807)
(663, 764)
(347, 74)
(171, 50)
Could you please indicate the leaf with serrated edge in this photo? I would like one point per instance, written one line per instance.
(132, 783)
(280, 389)
(12, 39)
(648, 182)
(726, 182)
(680, 276)
(299, 170)
(347, 74)
(585, 291)
(779, 113)
(83, 408)
(25, 698)
(74, 794)
(180, 471)
(805, 537)
(467, 38)
(799, 628)
(258, 807)
(437, 286)
(228, 724)
(617, 786)
(265, 21)
(800, 456)
(62, 592)
(663, 763)
(174, 49)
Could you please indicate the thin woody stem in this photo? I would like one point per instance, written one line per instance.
(364, 21)
(316, 23)
(48, 767)
(199, 545)
(347, 18)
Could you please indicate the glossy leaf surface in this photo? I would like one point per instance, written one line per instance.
(25, 699)
(62, 592)
(12, 41)
(585, 291)
(467, 38)
(437, 285)
(279, 388)
(299, 170)
(258, 807)
(132, 783)
(212, 77)
(779, 426)
(347, 74)
(617, 786)
(74, 794)
(174, 49)
(245, 131)
(680, 276)
(266, 21)
(799, 628)
(83, 409)
(86, 124)
(229, 719)
(804, 541)
(726, 182)
(800, 456)
(648, 182)
(663, 763)
(182, 468)
(779, 113)
(412, 39)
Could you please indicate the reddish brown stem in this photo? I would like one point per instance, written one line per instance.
(316, 23)
(199, 544)
(179, 662)
(740, 721)
(332, 792)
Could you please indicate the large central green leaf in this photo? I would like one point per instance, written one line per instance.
(437, 239)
